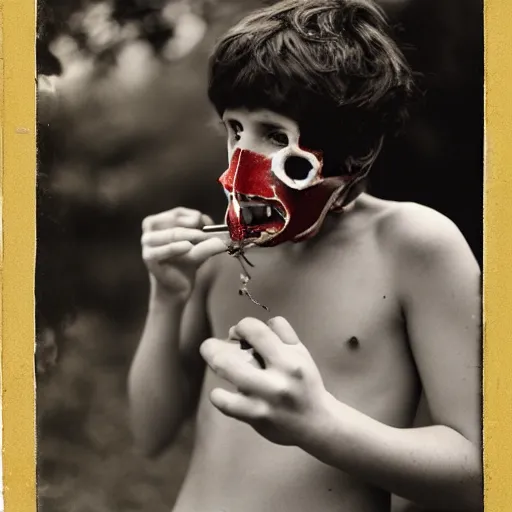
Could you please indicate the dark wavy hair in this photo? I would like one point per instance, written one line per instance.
(331, 65)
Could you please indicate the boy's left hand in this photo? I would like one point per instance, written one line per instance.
(283, 401)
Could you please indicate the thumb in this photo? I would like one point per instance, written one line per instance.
(284, 330)
(204, 250)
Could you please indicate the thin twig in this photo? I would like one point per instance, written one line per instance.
(245, 277)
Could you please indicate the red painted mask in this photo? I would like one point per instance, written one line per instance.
(280, 198)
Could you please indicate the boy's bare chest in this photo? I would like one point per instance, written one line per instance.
(342, 305)
(345, 311)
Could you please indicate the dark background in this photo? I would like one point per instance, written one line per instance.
(129, 132)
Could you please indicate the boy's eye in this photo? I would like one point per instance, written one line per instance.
(237, 128)
(279, 138)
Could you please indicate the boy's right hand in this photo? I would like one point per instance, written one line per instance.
(174, 247)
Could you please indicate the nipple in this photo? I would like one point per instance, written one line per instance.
(353, 343)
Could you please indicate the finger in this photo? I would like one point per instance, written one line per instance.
(170, 235)
(211, 346)
(151, 221)
(169, 218)
(284, 330)
(166, 252)
(238, 406)
(237, 367)
(264, 341)
(204, 250)
(193, 222)
(183, 212)
(193, 217)
(232, 334)
(207, 221)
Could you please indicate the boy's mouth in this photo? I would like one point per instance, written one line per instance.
(260, 216)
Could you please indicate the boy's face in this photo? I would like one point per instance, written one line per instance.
(260, 131)
(276, 189)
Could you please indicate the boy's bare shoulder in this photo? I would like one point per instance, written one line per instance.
(418, 228)
(416, 235)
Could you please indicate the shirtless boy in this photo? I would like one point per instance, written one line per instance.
(370, 302)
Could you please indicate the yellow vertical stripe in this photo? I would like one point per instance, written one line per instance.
(18, 216)
(498, 258)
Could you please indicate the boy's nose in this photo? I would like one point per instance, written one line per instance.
(227, 179)
(251, 142)
(248, 173)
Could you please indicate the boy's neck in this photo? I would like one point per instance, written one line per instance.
(338, 222)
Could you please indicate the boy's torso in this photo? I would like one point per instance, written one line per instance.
(339, 296)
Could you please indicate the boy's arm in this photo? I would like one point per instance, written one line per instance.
(167, 371)
(422, 419)
(438, 466)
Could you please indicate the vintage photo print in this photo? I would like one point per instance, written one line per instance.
(258, 269)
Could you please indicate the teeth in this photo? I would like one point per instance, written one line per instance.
(257, 212)
(247, 215)
(248, 204)
(254, 204)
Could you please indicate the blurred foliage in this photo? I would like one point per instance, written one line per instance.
(116, 140)
(125, 130)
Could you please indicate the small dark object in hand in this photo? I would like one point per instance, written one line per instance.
(245, 346)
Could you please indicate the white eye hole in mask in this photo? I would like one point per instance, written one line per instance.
(296, 168)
